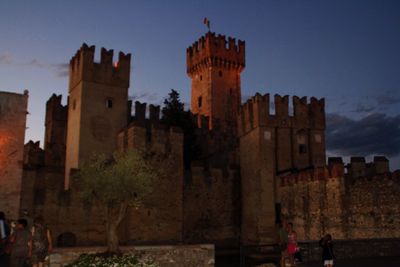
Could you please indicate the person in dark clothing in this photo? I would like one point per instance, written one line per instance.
(327, 250)
(21, 244)
(4, 240)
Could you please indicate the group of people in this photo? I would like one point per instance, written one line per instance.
(290, 250)
(25, 242)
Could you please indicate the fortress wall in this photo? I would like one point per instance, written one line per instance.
(373, 210)
(327, 201)
(212, 206)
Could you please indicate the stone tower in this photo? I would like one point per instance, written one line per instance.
(55, 131)
(13, 110)
(271, 145)
(214, 65)
(97, 105)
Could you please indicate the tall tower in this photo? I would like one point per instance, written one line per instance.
(215, 71)
(13, 110)
(97, 105)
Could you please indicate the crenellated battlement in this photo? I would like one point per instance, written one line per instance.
(215, 50)
(33, 155)
(256, 112)
(358, 167)
(55, 110)
(149, 133)
(140, 113)
(83, 67)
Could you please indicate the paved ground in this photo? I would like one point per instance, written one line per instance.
(367, 262)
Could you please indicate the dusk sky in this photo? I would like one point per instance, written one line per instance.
(345, 51)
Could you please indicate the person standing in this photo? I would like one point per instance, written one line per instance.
(4, 239)
(292, 243)
(41, 242)
(327, 250)
(283, 241)
(21, 244)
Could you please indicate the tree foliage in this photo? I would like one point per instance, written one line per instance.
(174, 114)
(116, 183)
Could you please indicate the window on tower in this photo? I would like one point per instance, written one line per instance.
(199, 101)
(302, 149)
(201, 77)
(109, 103)
(220, 73)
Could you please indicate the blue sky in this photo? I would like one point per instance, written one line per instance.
(345, 51)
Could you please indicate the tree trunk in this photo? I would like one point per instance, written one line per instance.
(115, 215)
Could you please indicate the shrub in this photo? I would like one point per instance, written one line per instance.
(115, 260)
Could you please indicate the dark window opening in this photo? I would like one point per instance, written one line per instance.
(200, 101)
(74, 104)
(278, 213)
(302, 149)
(201, 77)
(109, 103)
(230, 91)
(220, 73)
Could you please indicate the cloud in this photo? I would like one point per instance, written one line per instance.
(376, 134)
(361, 108)
(6, 58)
(144, 96)
(388, 99)
(60, 70)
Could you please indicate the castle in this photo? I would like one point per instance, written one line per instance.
(254, 167)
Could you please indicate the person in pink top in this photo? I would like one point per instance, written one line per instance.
(292, 243)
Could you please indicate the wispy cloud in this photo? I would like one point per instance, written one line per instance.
(144, 96)
(388, 99)
(375, 134)
(60, 70)
(6, 58)
(362, 108)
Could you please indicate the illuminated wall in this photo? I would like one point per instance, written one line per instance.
(13, 110)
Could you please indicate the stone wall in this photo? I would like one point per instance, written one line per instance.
(320, 202)
(212, 206)
(356, 248)
(13, 110)
(166, 256)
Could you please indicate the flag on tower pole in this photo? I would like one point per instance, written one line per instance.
(207, 23)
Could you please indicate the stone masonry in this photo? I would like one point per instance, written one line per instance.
(13, 111)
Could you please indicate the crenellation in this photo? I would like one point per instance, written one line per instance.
(33, 155)
(213, 50)
(140, 111)
(381, 164)
(282, 109)
(106, 58)
(357, 167)
(336, 166)
(83, 67)
(317, 113)
(55, 131)
(154, 113)
(301, 112)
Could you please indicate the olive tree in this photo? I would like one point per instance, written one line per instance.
(116, 183)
